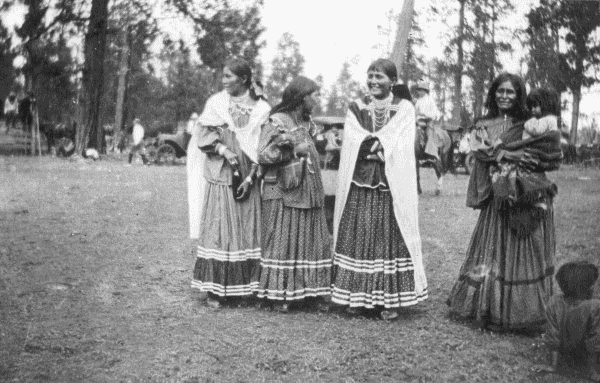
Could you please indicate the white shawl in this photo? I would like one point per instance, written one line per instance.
(216, 113)
(398, 140)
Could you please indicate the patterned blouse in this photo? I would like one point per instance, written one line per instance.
(216, 168)
(309, 193)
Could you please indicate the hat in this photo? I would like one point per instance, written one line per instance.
(136, 120)
(423, 85)
(194, 116)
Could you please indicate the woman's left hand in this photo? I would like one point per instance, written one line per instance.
(243, 189)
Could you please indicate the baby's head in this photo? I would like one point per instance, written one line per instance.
(543, 101)
(577, 279)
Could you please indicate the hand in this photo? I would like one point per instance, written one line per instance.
(243, 190)
(302, 149)
(376, 157)
(230, 157)
(376, 146)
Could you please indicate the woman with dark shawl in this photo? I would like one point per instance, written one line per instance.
(506, 278)
(378, 263)
(224, 200)
(296, 254)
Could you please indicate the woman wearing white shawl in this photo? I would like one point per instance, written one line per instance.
(227, 223)
(378, 262)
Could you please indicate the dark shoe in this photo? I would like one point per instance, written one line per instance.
(130, 157)
(283, 308)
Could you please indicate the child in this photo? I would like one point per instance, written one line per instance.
(544, 105)
(573, 329)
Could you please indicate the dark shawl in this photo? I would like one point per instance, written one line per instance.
(540, 154)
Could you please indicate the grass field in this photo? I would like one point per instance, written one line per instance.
(95, 269)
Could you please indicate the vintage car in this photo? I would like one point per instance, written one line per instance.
(169, 147)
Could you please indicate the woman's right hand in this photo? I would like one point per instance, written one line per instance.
(302, 149)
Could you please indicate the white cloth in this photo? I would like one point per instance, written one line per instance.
(138, 133)
(398, 140)
(216, 113)
(425, 108)
(11, 107)
(536, 126)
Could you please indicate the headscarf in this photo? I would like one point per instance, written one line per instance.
(294, 94)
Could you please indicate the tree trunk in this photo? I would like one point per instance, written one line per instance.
(403, 30)
(124, 64)
(575, 115)
(458, 70)
(92, 79)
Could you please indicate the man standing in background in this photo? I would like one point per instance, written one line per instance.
(138, 142)
(11, 111)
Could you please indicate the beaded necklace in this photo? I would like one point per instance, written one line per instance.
(380, 111)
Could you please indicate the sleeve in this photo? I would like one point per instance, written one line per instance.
(592, 341)
(208, 138)
(552, 325)
(269, 152)
(482, 147)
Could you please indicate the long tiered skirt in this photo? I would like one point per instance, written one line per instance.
(372, 265)
(506, 279)
(229, 250)
(296, 253)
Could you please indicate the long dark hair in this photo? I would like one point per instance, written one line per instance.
(242, 69)
(547, 99)
(388, 68)
(293, 95)
(519, 109)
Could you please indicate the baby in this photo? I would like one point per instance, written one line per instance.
(573, 329)
(544, 104)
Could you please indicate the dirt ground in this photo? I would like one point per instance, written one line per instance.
(95, 271)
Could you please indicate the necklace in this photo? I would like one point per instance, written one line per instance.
(380, 111)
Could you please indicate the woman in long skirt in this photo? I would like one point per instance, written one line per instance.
(296, 254)
(378, 262)
(228, 225)
(506, 278)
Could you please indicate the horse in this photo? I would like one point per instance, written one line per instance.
(435, 152)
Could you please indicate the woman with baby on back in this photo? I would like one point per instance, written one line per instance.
(506, 278)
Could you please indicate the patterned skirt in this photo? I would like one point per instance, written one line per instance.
(228, 257)
(372, 265)
(296, 253)
(506, 279)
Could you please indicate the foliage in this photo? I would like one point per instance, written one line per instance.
(287, 64)
(414, 62)
(343, 91)
(6, 65)
(565, 51)
(224, 31)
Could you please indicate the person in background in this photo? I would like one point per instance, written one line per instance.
(138, 142)
(296, 256)
(11, 111)
(425, 107)
(573, 329)
(378, 261)
(224, 196)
